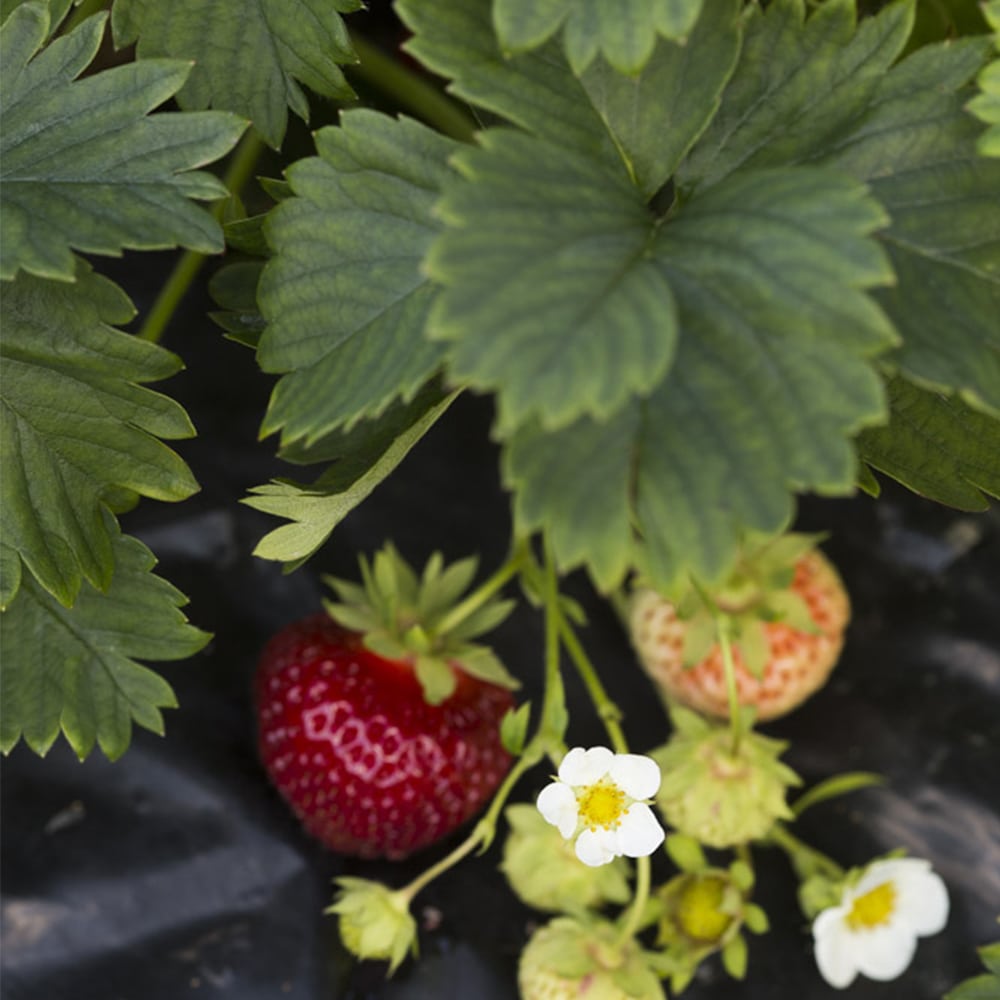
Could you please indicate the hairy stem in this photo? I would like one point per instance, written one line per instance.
(633, 916)
(729, 669)
(240, 168)
(607, 710)
(410, 90)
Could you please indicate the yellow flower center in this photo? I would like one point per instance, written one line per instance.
(602, 804)
(698, 910)
(875, 907)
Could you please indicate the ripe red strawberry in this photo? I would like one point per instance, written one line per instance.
(381, 753)
(787, 610)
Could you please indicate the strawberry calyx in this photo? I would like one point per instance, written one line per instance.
(758, 592)
(423, 621)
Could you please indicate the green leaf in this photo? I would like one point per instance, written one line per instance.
(83, 165)
(917, 150)
(365, 456)
(798, 84)
(936, 446)
(772, 376)
(58, 9)
(10, 575)
(536, 91)
(77, 426)
(989, 954)
(986, 105)
(624, 33)
(248, 57)
(815, 91)
(655, 115)
(551, 294)
(234, 288)
(986, 987)
(344, 296)
(73, 669)
(576, 486)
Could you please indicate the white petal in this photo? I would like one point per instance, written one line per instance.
(557, 804)
(883, 953)
(584, 767)
(637, 776)
(923, 901)
(596, 847)
(834, 948)
(889, 870)
(640, 832)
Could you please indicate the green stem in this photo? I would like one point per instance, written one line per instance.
(474, 601)
(449, 861)
(483, 832)
(186, 270)
(85, 9)
(554, 704)
(806, 860)
(410, 90)
(729, 670)
(608, 711)
(635, 913)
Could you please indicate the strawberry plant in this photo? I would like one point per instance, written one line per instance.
(705, 258)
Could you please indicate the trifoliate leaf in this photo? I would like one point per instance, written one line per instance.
(82, 163)
(577, 486)
(655, 115)
(77, 426)
(936, 446)
(818, 91)
(249, 57)
(537, 91)
(71, 669)
(799, 82)
(365, 456)
(625, 33)
(772, 377)
(551, 294)
(917, 150)
(344, 296)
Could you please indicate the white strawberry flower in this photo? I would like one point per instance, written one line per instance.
(874, 928)
(600, 799)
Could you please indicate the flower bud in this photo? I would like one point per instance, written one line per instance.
(375, 921)
(544, 871)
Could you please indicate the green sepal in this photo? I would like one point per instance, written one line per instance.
(734, 957)
(403, 616)
(685, 852)
(375, 922)
(755, 919)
